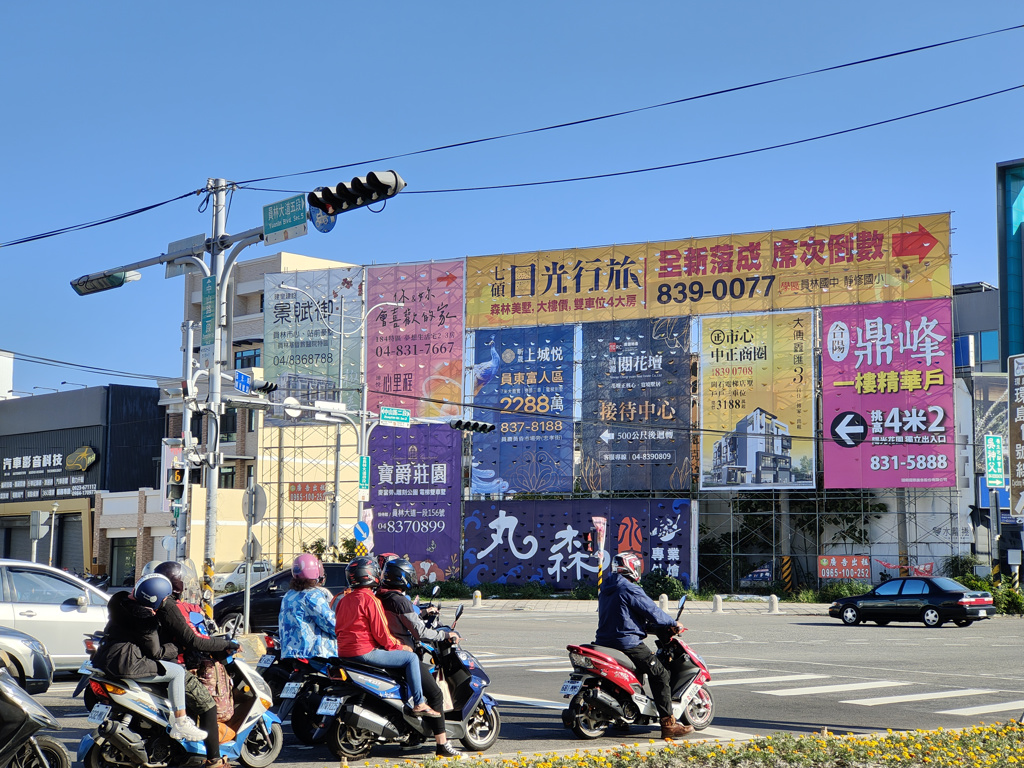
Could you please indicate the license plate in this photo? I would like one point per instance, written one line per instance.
(265, 661)
(329, 705)
(571, 687)
(99, 713)
(291, 690)
(983, 614)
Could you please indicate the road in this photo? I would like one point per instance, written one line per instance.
(770, 673)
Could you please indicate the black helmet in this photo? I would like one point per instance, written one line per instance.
(172, 570)
(362, 572)
(398, 574)
(384, 558)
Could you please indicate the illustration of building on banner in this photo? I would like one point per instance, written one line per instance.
(756, 451)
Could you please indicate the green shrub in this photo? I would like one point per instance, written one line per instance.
(581, 590)
(833, 590)
(658, 583)
(971, 581)
(450, 590)
(1007, 600)
(959, 567)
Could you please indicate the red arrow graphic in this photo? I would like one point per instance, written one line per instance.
(447, 278)
(918, 243)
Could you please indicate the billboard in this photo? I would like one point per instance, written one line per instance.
(990, 411)
(414, 337)
(514, 542)
(415, 485)
(522, 382)
(312, 332)
(839, 264)
(636, 405)
(757, 401)
(1015, 372)
(887, 395)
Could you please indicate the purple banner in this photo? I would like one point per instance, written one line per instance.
(513, 542)
(414, 496)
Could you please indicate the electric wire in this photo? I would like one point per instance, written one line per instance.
(37, 360)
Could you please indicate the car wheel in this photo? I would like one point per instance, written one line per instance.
(230, 587)
(231, 624)
(850, 615)
(964, 622)
(881, 622)
(931, 617)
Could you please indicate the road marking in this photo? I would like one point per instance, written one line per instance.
(918, 697)
(831, 688)
(538, 703)
(970, 711)
(60, 688)
(775, 679)
(727, 670)
(551, 669)
(519, 661)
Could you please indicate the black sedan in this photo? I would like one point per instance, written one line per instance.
(265, 600)
(932, 600)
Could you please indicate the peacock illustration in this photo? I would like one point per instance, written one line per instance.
(484, 372)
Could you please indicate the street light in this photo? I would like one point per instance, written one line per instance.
(52, 389)
(75, 384)
(19, 392)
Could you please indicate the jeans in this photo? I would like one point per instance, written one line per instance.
(174, 676)
(407, 661)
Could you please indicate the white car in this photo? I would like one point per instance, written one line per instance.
(52, 606)
(230, 577)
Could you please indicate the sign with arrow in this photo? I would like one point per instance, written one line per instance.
(849, 429)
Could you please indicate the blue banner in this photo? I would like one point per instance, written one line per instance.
(522, 383)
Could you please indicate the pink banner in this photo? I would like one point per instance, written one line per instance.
(887, 395)
(414, 351)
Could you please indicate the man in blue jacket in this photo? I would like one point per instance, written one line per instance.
(624, 611)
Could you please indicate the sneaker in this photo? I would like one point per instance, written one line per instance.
(183, 729)
(447, 750)
(424, 710)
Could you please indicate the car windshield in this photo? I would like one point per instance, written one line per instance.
(226, 567)
(949, 585)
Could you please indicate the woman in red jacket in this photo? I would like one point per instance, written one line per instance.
(363, 634)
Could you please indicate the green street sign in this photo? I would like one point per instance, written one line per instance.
(364, 478)
(284, 220)
(394, 417)
(994, 461)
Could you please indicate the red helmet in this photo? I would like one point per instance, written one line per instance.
(629, 564)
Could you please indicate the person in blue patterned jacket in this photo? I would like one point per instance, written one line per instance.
(306, 621)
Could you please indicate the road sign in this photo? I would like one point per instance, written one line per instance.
(394, 417)
(189, 243)
(284, 220)
(994, 461)
(849, 429)
(243, 382)
(254, 503)
(209, 310)
(364, 478)
(322, 222)
(361, 531)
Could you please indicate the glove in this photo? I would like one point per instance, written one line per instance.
(232, 647)
(453, 637)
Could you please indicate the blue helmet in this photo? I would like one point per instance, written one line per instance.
(152, 590)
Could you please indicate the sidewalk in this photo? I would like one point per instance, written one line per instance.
(560, 605)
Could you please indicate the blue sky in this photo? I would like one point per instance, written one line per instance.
(112, 107)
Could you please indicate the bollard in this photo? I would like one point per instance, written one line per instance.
(773, 604)
(716, 605)
(476, 599)
(663, 602)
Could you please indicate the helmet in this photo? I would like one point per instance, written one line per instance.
(172, 570)
(322, 578)
(384, 558)
(306, 566)
(152, 590)
(362, 572)
(398, 574)
(628, 564)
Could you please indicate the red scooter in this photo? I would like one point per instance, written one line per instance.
(605, 691)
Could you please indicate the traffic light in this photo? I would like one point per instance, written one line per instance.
(175, 483)
(471, 426)
(263, 387)
(362, 190)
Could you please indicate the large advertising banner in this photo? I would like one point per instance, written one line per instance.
(415, 486)
(887, 395)
(839, 264)
(522, 381)
(636, 405)
(514, 542)
(1016, 427)
(311, 338)
(414, 351)
(757, 401)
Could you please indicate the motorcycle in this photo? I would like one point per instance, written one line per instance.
(301, 694)
(131, 722)
(20, 718)
(605, 691)
(366, 706)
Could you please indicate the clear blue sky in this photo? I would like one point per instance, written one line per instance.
(110, 107)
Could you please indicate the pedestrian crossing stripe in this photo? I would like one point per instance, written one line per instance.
(909, 697)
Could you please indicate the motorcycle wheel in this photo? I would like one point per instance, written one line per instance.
(583, 721)
(482, 729)
(94, 758)
(304, 724)
(54, 752)
(258, 751)
(701, 710)
(350, 742)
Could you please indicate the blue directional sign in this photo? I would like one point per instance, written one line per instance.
(362, 531)
(243, 382)
(321, 221)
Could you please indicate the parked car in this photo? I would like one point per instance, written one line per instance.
(265, 600)
(53, 606)
(231, 576)
(26, 660)
(932, 600)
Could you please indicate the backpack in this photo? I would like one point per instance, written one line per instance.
(214, 675)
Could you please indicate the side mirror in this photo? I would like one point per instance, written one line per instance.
(436, 590)
(682, 602)
(82, 601)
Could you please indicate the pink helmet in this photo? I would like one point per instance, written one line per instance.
(306, 566)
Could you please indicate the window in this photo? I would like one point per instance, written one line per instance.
(229, 426)
(261, 302)
(248, 358)
(251, 420)
(40, 587)
(197, 426)
(227, 477)
(915, 588)
(889, 588)
(989, 343)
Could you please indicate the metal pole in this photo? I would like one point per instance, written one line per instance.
(335, 521)
(53, 531)
(186, 433)
(363, 404)
(250, 514)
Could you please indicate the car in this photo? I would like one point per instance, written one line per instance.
(231, 576)
(53, 606)
(265, 600)
(26, 659)
(931, 600)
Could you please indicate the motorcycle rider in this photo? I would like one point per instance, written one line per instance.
(132, 648)
(306, 621)
(624, 611)
(363, 635)
(408, 628)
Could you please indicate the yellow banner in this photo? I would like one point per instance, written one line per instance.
(855, 263)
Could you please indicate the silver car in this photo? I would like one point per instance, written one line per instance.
(52, 606)
(26, 659)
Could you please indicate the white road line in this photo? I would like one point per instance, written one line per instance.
(519, 661)
(918, 697)
(727, 670)
(538, 703)
(60, 688)
(775, 679)
(970, 711)
(551, 669)
(831, 688)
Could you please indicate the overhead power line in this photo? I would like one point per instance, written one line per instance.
(36, 360)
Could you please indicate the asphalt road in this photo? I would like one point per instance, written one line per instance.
(769, 673)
